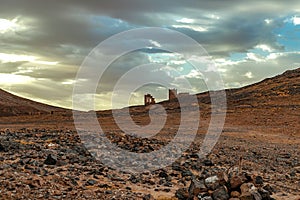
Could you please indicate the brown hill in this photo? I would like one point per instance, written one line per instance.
(12, 105)
(279, 91)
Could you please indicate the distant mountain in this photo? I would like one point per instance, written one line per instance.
(12, 105)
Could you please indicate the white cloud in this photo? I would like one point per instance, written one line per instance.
(268, 21)
(155, 43)
(213, 16)
(192, 27)
(296, 20)
(219, 62)
(186, 21)
(249, 75)
(264, 47)
(274, 56)
(255, 57)
(193, 74)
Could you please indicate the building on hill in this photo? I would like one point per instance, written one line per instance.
(172, 94)
(149, 99)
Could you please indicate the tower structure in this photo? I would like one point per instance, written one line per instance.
(149, 99)
(172, 94)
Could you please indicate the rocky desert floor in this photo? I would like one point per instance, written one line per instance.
(42, 157)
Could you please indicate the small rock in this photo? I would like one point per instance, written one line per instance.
(235, 194)
(91, 182)
(269, 189)
(206, 198)
(220, 193)
(208, 163)
(264, 194)
(293, 173)
(223, 178)
(182, 194)
(186, 173)
(249, 192)
(2, 148)
(128, 188)
(197, 186)
(246, 196)
(163, 174)
(246, 187)
(212, 182)
(50, 160)
(148, 197)
(235, 182)
(259, 180)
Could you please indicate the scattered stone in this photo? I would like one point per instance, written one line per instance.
(91, 182)
(205, 198)
(235, 194)
(182, 194)
(186, 173)
(247, 196)
(148, 197)
(2, 148)
(208, 163)
(249, 191)
(74, 174)
(270, 189)
(264, 194)
(50, 160)
(236, 182)
(163, 174)
(220, 193)
(212, 182)
(259, 180)
(197, 186)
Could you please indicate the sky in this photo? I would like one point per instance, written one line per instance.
(44, 43)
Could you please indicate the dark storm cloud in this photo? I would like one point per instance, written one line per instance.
(66, 31)
(75, 22)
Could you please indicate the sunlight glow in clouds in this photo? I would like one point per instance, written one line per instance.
(7, 25)
(6, 58)
(7, 79)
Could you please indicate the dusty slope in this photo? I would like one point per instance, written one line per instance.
(12, 105)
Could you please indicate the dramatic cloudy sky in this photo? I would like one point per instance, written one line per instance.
(43, 43)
